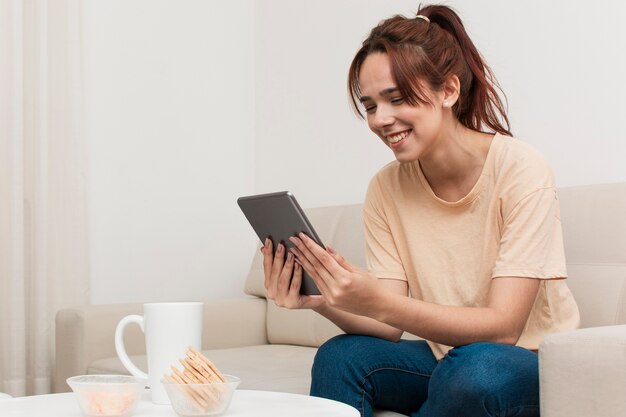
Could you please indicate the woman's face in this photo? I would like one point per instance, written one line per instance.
(410, 131)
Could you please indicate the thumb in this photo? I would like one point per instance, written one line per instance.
(341, 260)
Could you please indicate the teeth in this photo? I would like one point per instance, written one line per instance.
(397, 138)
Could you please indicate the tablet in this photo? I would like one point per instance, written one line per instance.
(278, 216)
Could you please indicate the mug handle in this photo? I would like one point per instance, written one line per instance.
(121, 349)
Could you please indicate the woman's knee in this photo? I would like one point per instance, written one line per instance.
(488, 376)
(335, 372)
(335, 354)
(483, 365)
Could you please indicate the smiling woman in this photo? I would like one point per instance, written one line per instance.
(464, 242)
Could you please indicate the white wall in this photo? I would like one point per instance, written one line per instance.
(170, 105)
(560, 63)
(308, 138)
(194, 103)
(562, 66)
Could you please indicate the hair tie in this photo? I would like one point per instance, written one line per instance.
(420, 16)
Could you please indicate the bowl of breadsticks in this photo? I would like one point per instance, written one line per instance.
(198, 388)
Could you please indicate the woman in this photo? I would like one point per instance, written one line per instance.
(464, 242)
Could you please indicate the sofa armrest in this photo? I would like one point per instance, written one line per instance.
(86, 334)
(583, 373)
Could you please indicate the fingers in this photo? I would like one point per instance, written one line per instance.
(277, 261)
(341, 260)
(278, 270)
(320, 259)
(316, 262)
(284, 279)
(296, 280)
(303, 263)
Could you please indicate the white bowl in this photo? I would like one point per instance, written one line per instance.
(107, 395)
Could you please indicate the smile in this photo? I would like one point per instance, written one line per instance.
(395, 138)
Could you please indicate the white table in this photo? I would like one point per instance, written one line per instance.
(244, 404)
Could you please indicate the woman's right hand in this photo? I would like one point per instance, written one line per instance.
(283, 279)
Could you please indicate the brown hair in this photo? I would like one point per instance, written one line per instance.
(420, 50)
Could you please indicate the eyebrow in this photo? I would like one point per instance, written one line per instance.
(385, 92)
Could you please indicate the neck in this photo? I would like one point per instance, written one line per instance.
(454, 165)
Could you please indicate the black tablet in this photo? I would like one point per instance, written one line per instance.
(278, 216)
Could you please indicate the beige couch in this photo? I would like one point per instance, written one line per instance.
(583, 373)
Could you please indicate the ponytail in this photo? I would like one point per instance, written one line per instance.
(482, 105)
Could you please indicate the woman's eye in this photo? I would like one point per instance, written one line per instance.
(370, 109)
(397, 100)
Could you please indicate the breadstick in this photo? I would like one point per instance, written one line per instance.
(190, 363)
(207, 392)
(194, 375)
(202, 378)
(207, 362)
(198, 402)
(188, 380)
(197, 364)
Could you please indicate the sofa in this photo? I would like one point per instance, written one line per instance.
(582, 372)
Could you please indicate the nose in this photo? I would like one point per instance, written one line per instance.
(382, 117)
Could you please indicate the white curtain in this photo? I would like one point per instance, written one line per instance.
(43, 227)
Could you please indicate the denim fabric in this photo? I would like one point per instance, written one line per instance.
(476, 380)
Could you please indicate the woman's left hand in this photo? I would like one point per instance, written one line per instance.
(342, 285)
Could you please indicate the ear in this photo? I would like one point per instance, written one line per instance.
(451, 91)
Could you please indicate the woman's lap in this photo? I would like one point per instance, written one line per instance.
(479, 379)
(368, 372)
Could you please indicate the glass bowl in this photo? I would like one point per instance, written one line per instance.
(107, 395)
(196, 400)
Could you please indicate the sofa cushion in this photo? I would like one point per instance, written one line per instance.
(594, 235)
(298, 327)
(599, 304)
(594, 223)
(264, 367)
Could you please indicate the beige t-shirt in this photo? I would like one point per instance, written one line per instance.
(448, 252)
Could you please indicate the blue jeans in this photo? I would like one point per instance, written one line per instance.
(476, 380)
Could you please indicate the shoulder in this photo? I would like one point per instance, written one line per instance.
(386, 177)
(390, 171)
(518, 162)
(386, 186)
(519, 171)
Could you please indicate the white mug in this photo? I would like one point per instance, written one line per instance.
(169, 328)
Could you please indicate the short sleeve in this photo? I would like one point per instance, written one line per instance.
(382, 258)
(532, 238)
